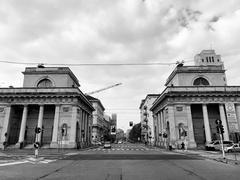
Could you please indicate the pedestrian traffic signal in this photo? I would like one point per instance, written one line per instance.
(218, 121)
(36, 145)
(37, 130)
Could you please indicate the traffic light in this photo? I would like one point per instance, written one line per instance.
(220, 128)
(130, 123)
(113, 129)
(165, 135)
(37, 130)
(36, 145)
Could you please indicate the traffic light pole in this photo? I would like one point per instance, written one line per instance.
(220, 130)
(36, 149)
(221, 140)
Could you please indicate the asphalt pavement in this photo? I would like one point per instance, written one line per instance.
(121, 162)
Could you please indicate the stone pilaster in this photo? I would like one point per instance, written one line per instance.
(190, 133)
(54, 143)
(172, 125)
(5, 128)
(224, 122)
(72, 141)
(238, 114)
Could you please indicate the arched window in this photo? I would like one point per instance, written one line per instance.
(45, 83)
(201, 82)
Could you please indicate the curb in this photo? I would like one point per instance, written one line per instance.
(222, 160)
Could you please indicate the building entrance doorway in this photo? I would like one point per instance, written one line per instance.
(15, 124)
(32, 120)
(198, 124)
(48, 119)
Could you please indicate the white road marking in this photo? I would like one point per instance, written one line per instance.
(14, 163)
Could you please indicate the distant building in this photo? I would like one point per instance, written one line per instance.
(113, 127)
(51, 100)
(194, 98)
(147, 124)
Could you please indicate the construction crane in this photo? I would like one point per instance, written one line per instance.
(108, 87)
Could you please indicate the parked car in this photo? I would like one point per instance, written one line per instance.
(215, 145)
(107, 145)
(232, 148)
(97, 143)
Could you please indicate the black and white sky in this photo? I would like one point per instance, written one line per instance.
(117, 31)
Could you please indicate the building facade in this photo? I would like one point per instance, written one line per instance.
(51, 100)
(146, 118)
(100, 126)
(194, 98)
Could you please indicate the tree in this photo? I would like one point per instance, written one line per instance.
(135, 133)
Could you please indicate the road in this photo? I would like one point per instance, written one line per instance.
(122, 162)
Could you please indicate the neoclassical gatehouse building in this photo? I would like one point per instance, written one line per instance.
(195, 96)
(50, 99)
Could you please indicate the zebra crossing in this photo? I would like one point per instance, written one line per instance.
(125, 148)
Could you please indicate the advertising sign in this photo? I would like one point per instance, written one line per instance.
(231, 117)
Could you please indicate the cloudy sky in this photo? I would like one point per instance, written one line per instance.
(117, 31)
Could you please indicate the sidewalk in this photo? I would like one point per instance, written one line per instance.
(230, 158)
(18, 154)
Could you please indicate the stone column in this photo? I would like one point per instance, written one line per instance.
(54, 143)
(83, 126)
(5, 128)
(156, 131)
(224, 122)
(162, 121)
(158, 128)
(190, 133)
(80, 124)
(40, 122)
(86, 128)
(23, 126)
(72, 141)
(206, 123)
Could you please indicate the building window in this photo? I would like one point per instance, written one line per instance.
(212, 59)
(201, 82)
(45, 83)
(202, 60)
(207, 59)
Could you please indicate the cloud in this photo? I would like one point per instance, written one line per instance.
(121, 31)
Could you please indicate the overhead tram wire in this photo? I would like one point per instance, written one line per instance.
(92, 64)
